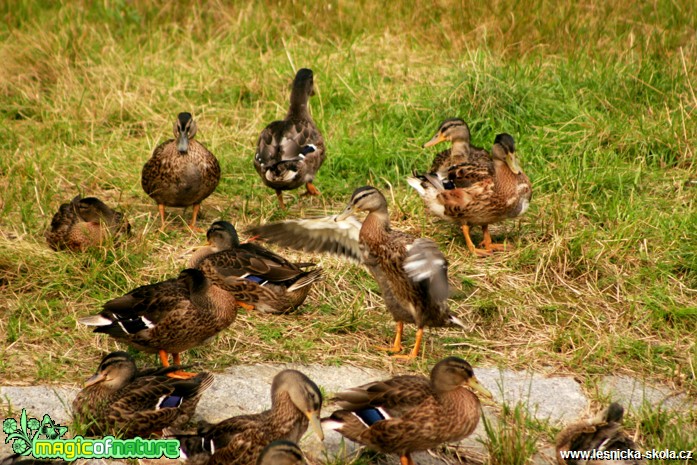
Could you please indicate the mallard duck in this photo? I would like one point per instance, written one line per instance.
(168, 317)
(118, 399)
(181, 171)
(488, 199)
(603, 434)
(407, 413)
(296, 402)
(456, 131)
(83, 223)
(412, 272)
(291, 151)
(281, 453)
(275, 285)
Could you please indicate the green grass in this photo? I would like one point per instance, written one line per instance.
(600, 97)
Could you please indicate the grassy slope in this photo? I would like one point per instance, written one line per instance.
(599, 97)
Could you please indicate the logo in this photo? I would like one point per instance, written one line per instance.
(42, 439)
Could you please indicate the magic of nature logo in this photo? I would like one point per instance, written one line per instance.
(43, 440)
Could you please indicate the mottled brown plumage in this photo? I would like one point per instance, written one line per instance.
(267, 281)
(407, 414)
(119, 400)
(603, 433)
(291, 151)
(505, 194)
(181, 171)
(412, 272)
(83, 223)
(281, 453)
(168, 317)
(296, 402)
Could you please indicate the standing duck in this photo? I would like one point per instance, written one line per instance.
(181, 171)
(274, 285)
(291, 151)
(83, 223)
(118, 399)
(168, 317)
(408, 413)
(487, 199)
(412, 272)
(296, 402)
(602, 434)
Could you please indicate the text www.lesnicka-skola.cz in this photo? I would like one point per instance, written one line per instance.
(628, 454)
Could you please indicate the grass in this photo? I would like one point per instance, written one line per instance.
(600, 97)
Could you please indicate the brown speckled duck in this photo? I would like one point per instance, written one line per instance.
(412, 272)
(83, 223)
(444, 163)
(181, 171)
(483, 200)
(408, 413)
(602, 433)
(274, 285)
(296, 402)
(168, 317)
(291, 151)
(118, 399)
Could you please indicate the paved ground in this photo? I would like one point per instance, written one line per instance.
(245, 389)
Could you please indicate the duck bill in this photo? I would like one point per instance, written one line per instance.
(348, 211)
(437, 139)
(98, 378)
(315, 423)
(474, 384)
(513, 164)
(183, 143)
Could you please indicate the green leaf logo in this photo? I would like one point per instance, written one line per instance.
(24, 434)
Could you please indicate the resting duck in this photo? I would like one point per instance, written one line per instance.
(408, 414)
(296, 402)
(412, 272)
(168, 317)
(181, 171)
(83, 223)
(274, 284)
(602, 433)
(485, 200)
(291, 151)
(120, 400)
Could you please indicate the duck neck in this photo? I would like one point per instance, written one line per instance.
(376, 226)
(466, 403)
(298, 106)
(219, 302)
(287, 421)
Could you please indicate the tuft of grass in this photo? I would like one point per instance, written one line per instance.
(510, 439)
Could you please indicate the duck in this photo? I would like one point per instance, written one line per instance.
(409, 413)
(296, 403)
(120, 400)
(602, 433)
(171, 316)
(291, 151)
(83, 223)
(181, 172)
(275, 285)
(412, 272)
(487, 199)
(281, 452)
(444, 164)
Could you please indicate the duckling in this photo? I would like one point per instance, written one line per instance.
(296, 402)
(408, 413)
(457, 131)
(603, 434)
(489, 199)
(170, 316)
(291, 151)
(274, 284)
(181, 171)
(120, 400)
(412, 272)
(281, 453)
(83, 223)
